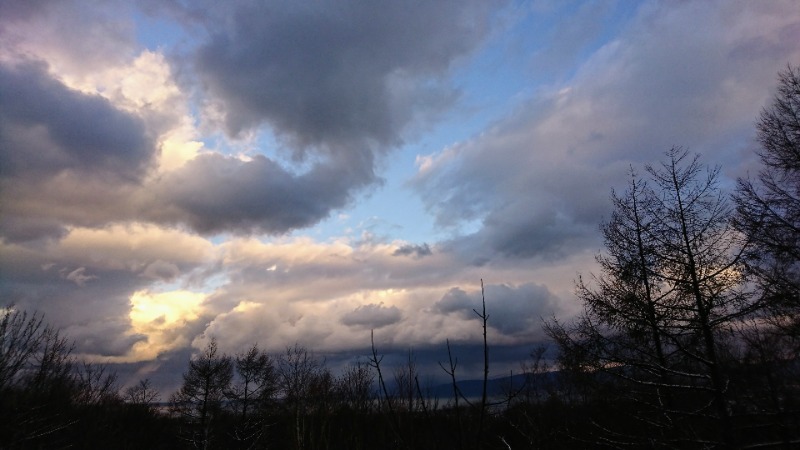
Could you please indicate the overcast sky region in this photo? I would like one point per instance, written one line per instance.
(275, 172)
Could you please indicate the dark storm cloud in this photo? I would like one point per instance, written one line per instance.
(513, 310)
(343, 80)
(73, 159)
(372, 316)
(89, 304)
(415, 251)
(45, 128)
(63, 154)
(161, 270)
(525, 229)
(104, 338)
(215, 193)
(338, 71)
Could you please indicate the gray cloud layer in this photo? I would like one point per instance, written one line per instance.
(340, 72)
(372, 316)
(47, 128)
(57, 147)
(512, 310)
(215, 193)
(342, 82)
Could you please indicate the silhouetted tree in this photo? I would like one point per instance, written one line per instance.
(252, 393)
(768, 210)
(354, 388)
(655, 322)
(50, 399)
(200, 399)
(255, 381)
(21, 337)
(450, 370)
(142, 393)
(37, 381)
(484, 399)
(768, 214)
(297, 370)
(405, 389)
(96, 385)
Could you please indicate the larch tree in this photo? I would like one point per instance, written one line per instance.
(768, 214)
(252, 392)
(200, 399)
(768, 209)
(656, 320)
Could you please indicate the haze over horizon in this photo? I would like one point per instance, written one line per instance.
(281, 172)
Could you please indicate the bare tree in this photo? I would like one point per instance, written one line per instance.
(768, 214)
(482, 412)
(96, 384)
(354, 388)
(37, 382)
(297, 368)
(142, 393)
(535, 371)
(450, 370)
(404, 383)
(375, 362)
(21, 337)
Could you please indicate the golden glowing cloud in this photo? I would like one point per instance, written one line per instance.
(162, 317)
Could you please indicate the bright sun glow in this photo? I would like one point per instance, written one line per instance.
(160, 317)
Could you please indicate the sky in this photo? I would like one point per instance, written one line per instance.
(310, 172)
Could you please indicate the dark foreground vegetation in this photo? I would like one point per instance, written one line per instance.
(689, 338)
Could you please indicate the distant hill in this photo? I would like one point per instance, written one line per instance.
(496, 387)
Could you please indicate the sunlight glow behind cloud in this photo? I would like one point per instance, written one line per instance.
(161, 317)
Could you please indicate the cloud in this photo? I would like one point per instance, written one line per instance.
(85, 281)
(162, 321)
(512, 310)
(48, 128)
(63, 154)
(372, 316)
(161, 270)
(134, 222)
(329, 295)
(340, 72)
(216, 193)
(79, 277)
(536, 183)
(74, 158)
(339, 86)
(104, 340)
(415, 251)
(75, 37)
